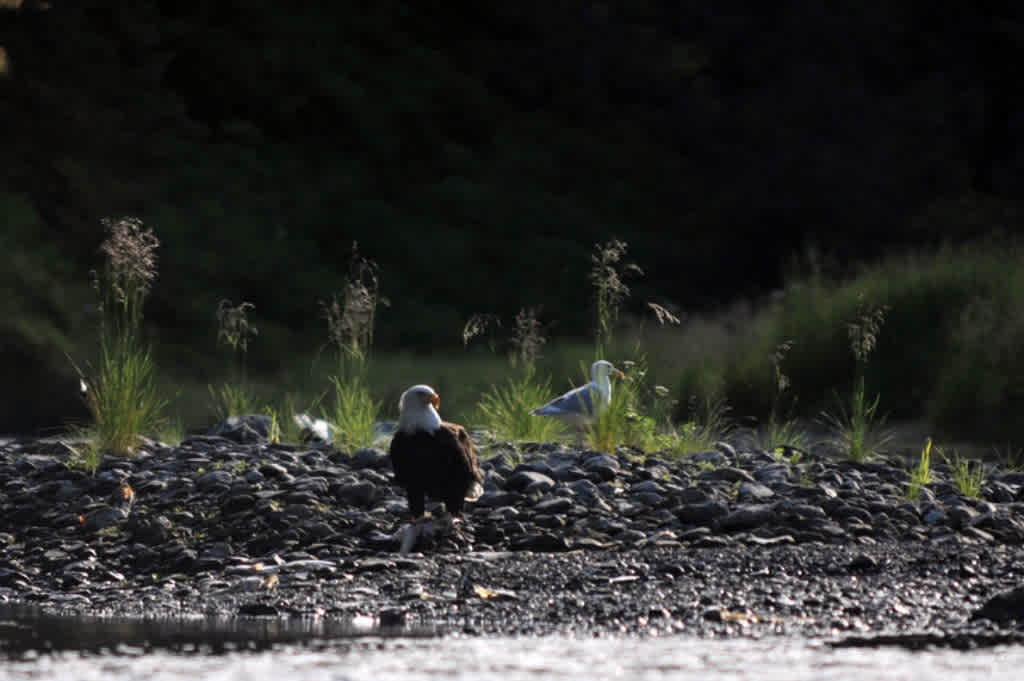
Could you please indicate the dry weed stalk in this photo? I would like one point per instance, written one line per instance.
(351, 318)
(478, 325)
(528, 338)
(233, 327)
(863, 331)
(607, 275)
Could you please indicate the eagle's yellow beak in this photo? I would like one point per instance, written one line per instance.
(619, 374)
(435, 400)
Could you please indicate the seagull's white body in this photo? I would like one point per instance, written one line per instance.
(580, 406)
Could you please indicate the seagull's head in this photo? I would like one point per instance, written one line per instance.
(417, 409)
(602, 369)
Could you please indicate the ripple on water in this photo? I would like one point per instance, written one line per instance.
(510, 659)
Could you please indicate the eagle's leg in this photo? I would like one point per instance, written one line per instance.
(417, 504)
(414, 530)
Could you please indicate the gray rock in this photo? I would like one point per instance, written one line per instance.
(370, 457)
(961, 516)
(523, 479)
(746, 518)
(553, 505)
(647, 486)
(754, 492)
(714, 458)
(540, 541)
(701, 513)
(248, 429)
(727, 474)
(1003, 608)
(212, 480)
(362, 493)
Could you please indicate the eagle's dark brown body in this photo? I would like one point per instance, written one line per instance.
(440, 464)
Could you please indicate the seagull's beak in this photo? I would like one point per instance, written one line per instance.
(435, 400)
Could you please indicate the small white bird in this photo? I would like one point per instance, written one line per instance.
(580, 406)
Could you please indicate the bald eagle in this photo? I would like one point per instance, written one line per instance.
(580, 406)
(432, 457)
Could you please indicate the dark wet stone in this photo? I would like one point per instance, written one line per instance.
(274, 470)
(540, 541)
(1003, 608)
(257, 610)
(102, 518)
(553, 505)
(727, 474)
(702, 512)
(753, 492)
(712, 457)
(523, 479)
(358, 493)
(248, 429)
(238, 502)
(961, 516)
(498, 499)
(746, 518)
(13, 578)
(214, 481)
(568, 473)
(862, 563)
(771, 541)
(393, 617)
(370, 457)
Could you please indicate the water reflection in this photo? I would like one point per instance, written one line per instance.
(24, 629)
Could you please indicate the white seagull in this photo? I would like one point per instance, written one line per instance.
(580, 406)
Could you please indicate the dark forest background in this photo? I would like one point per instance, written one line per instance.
(476, 153)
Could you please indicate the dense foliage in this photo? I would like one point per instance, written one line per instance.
(476, 153)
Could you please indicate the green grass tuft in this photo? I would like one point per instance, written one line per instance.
(122, 394)
(858, 431)
(354, 413)
(921, 474)
(968, 476)
(699, 434)
(232, 399)
(505, 410)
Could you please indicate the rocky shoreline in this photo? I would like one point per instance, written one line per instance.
(731, 541)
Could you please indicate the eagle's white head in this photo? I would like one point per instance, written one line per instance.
(417, 409)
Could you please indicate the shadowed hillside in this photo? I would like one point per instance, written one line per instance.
(476, 154)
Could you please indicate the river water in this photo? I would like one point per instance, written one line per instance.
(86, 649)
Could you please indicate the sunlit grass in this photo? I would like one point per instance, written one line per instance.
(232, 399)
(350, 319)
(353, 414)
(858, 430)
(699, 433)
(968, 476)
(962, 371)
(505, 410)
(921, 474)
(121, 391)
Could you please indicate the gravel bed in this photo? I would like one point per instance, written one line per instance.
(731, 541)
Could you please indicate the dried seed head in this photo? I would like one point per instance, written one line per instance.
(863, 331)
(664, 315)
(781, 350)
(478, 325)
(233, 328)
(130, 249)
(528, 337)
(350, 317)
